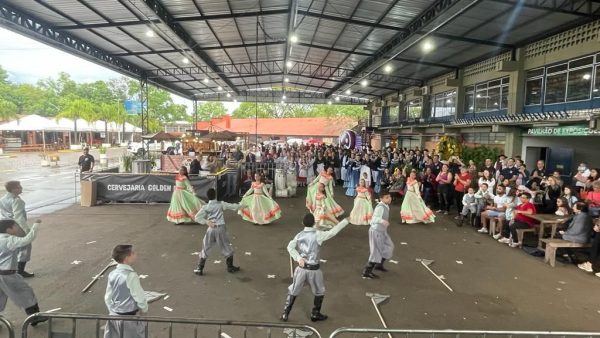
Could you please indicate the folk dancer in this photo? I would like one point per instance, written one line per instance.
(381, 246)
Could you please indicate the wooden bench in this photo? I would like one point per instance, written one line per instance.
(31, 147)
(521, 234)
(552, 244)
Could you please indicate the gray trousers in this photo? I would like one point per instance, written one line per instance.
(380, 246)
(25, 254)
(129, 329)
(314, 278)
(218, 236)
(14, 287)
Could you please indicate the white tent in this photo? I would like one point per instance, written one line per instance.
(29, 122)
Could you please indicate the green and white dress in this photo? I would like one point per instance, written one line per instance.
(184, 203)
(257, 205)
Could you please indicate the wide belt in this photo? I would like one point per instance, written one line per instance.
(131, 313)
(311, 266)
(7, 272)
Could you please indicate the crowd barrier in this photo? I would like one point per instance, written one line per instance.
(389, 333)
(6, 326)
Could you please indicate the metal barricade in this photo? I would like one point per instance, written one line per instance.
(89, 325)
(363, 332)
(9, 328)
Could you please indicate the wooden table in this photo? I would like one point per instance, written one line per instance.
(548, 220)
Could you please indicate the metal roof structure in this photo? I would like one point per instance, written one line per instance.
(308, 51)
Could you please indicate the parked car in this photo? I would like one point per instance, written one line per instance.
(140, 147)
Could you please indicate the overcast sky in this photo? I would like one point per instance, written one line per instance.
(27, 61)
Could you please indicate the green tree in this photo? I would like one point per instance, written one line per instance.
(28, 99)
(328, 110)
(8, 110)
(209, 110)
(106, 112)
(76, 108)
(251, 110)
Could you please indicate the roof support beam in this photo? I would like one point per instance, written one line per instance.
(275, 97)
(471, 40)
(231, 15)
(350, 21)
(553, 6)
(390, 49)
(176, 28)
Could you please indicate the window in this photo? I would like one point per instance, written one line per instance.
(443, 104)
(394, 114)
(579, 84)
(533, 91)
(596, 90)
(414, 109)
(556, 87)
(487, 96)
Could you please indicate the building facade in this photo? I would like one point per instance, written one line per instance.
(539, 101)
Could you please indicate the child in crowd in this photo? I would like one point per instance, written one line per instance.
(562, 207)
(124, 296)
(570, 195)
(469, 202)
(381, 246)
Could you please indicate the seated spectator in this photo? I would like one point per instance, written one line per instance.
(551, 194)
(593, 264)
(581, 177)
(592, 199)
(570, 195)
(509, 215)
(487, 178)
(246, 181)
(521, 221)
(562, 207)
(580, 227)
(496, 211)
(538, 174)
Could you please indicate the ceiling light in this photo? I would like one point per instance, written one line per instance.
(329, 102)
(282, 102)
(348, 91)
(364, 83)
(289, 64)
(587, 76)
(219, 88)
(287, 79)
(387, 68)
(427, 46)
(150, 33)
(235, 100)
(284, 97)
(186, 60)
(228, 95)
(294, 38)
(337, 98)
(205, 80)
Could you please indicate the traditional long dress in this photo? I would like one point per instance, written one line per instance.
(184, 203)
(362, 212)
(312, 190)
(353, 174)
(324, 216)
(310, 175)
(344, 171)
(257, 205)
(413, 208)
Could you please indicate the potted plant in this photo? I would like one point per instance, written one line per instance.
(125, 163)
(103, 157)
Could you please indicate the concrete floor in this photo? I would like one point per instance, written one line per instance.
(496, 287)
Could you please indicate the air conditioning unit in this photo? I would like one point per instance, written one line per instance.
(401, 98)
(452, 82)
(394, 99)
(424, 91)
(507, 66)
(379, 104)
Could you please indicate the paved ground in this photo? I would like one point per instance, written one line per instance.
(495, 288)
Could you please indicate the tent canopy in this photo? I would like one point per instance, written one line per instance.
(39, 123)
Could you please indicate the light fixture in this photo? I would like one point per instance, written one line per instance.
(235, 100)
(287, 79)
(228, 95)
(185, 60)
(348, 91)
(282, 102)
(387, 68)
(283, 97)
(219, 88)
(587, 76)
(427, 46)
(289, 64)
(294, 38)
(364, 83)
(337, 98)
(329, 102)
(205, 80)
(448, 101)
(150, 33)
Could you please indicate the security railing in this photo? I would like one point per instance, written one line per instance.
(9, 328)
(389, 333)
(90, 325)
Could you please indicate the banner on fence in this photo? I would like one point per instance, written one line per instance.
(143, 188)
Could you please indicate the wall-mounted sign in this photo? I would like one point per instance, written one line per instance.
(578, 130)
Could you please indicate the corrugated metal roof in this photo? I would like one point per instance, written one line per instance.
(339, 41)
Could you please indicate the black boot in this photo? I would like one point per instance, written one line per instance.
(380, 266)
(32, 310)
(368, 272)
(316, 314)
(200, 269)
(230, 267)
(289, 302)
(22, 272)
(460, 220)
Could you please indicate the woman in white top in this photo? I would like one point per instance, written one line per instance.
(487, 178)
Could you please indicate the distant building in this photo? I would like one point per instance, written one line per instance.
(326, 129)
(177, 126)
